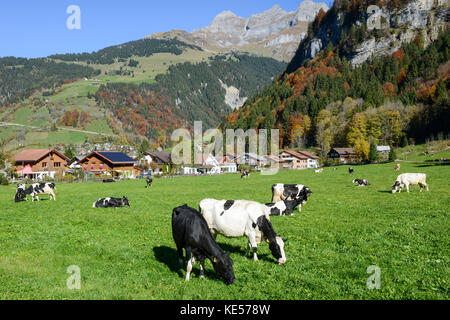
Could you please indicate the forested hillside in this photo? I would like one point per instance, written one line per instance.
(327, 101)
(138, 48)
(20, 77)
(188, 92)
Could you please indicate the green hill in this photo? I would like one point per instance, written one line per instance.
(168, 71)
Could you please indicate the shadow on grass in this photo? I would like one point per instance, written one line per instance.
(385, 191)
(241, 251)
(169, 257)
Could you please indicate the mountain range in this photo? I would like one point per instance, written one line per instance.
(350, 85)
(274, 33)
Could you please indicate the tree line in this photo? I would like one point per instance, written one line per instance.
(21, 77)
(400, 98)
(139, 48)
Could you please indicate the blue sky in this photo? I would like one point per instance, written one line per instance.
(38, 28)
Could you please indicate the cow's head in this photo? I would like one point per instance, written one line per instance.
(125, 201)
(304, 194)
(20, 195)
(292, 204)
(223, 265)
(276, 246)
(396, 187)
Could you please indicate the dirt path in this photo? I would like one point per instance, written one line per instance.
(3, 124)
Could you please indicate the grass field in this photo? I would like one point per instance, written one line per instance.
(129, 253)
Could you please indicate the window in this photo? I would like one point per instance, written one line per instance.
(44, 164)
(57, 164)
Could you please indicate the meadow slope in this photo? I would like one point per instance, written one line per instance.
(129, 253)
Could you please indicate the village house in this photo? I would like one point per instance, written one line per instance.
(158, 158)
(275, 161)
(253, 160)
(298, 160)
(39, 163)
(345, 155)
(114, 163)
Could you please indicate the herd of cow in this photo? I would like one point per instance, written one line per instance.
(195, 231)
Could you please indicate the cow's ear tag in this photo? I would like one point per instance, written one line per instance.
(267, 240)
(215, 260)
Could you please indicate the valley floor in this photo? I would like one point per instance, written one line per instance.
(129, 253)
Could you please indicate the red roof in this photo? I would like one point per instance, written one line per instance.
(35, 155)
(309, 155)
(295, 154)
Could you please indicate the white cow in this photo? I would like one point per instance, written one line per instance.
(407, 179)
(243, 218)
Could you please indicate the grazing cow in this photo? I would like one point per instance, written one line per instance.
(350, 170)
(290, 192)
(149, 182)
(20, 193)
(245, 174)
(243, 218)
(284, 207)
(111, 202)
(190, 231)
(361, 182)
(41, 188)
(407, 179)
(109, 180)
(397, 167)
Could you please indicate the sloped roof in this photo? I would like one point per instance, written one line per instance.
(307, 154)
(164, 156)
(295, 154)
(343, 151)
(31, 154)
(274, 158)
(116, 156)
(35, 154)
(112, 156)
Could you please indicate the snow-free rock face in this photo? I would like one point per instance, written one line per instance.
(228, 29)
(425, 17)
(271, 28)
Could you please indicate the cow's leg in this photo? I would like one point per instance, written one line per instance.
(189, 267)
(180, 255)
(252, 243)
(407, 188)
(202, 269)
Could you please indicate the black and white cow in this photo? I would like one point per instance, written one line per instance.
(282, 191)
(361, 182)
(191, 233)
(149, 182)
(245, 174)
(350, 170)
(243, 218)
(40, 188)
(20, 193)
(111, 202)
(285, 207)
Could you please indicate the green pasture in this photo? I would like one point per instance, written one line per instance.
(129, 253)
